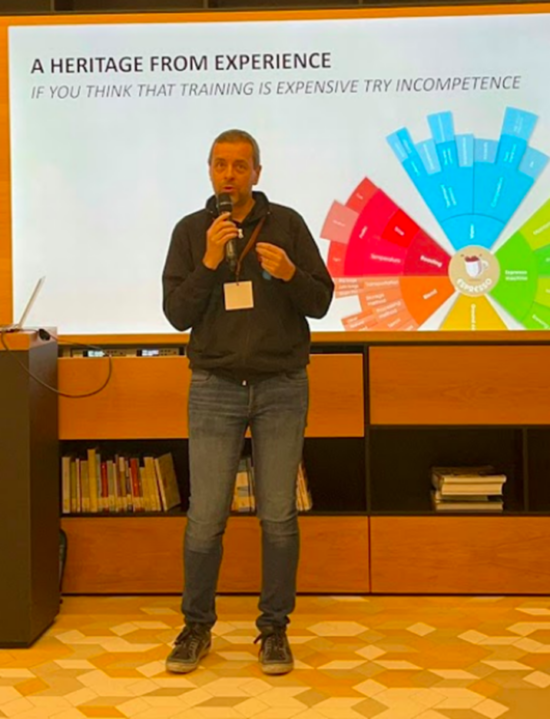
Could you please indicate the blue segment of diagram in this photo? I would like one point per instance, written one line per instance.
(472, 185)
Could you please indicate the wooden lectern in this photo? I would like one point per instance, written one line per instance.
(29, 490)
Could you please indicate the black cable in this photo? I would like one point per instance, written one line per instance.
(45, 336)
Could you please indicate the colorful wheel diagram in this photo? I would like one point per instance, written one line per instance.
(402, 276)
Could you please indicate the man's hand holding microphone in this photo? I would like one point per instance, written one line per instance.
(221, 243)
(221, 238)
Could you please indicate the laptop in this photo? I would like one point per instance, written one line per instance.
(19, 326)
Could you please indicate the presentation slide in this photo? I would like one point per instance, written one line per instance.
(416, 149)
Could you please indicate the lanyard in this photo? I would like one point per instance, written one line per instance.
(249, 245)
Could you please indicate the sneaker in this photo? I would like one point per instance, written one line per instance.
(275, 653)
(192, 644)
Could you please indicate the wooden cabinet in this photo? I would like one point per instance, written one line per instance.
(462, 405)
(142, 555)
(460, 385)
(29, 490)
(370, 444)
(147, 397)
(145, 406)
(460, 555)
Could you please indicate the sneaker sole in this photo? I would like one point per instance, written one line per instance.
(182, 668)
(276, 668)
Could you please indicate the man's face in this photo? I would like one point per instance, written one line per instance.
(232, 171)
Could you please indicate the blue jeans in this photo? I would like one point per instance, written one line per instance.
(219, 413)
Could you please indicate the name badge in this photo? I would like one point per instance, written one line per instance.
(238, 295)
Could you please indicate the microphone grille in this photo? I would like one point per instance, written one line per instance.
(224, 202)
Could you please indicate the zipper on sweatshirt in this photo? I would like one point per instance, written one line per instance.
(246, 347)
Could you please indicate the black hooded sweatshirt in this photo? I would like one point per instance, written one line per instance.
(269, 338)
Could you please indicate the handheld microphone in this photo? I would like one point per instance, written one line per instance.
(225, 204)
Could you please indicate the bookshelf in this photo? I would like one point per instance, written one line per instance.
(382, 413)
(144, 409)
(452, 403)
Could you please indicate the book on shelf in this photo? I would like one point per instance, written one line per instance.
(304, 501)
(85, 352)
(467, 489)
(244, 495)
(113, 484)
(163, 469)
(100, 484)
(482, 503)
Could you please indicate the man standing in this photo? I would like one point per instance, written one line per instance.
(246, 305)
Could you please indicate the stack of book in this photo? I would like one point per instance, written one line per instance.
(244, 498)
(467, 489)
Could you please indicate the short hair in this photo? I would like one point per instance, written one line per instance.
(238, 136)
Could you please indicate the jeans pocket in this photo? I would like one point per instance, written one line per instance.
(199, 376)
(297, 375)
